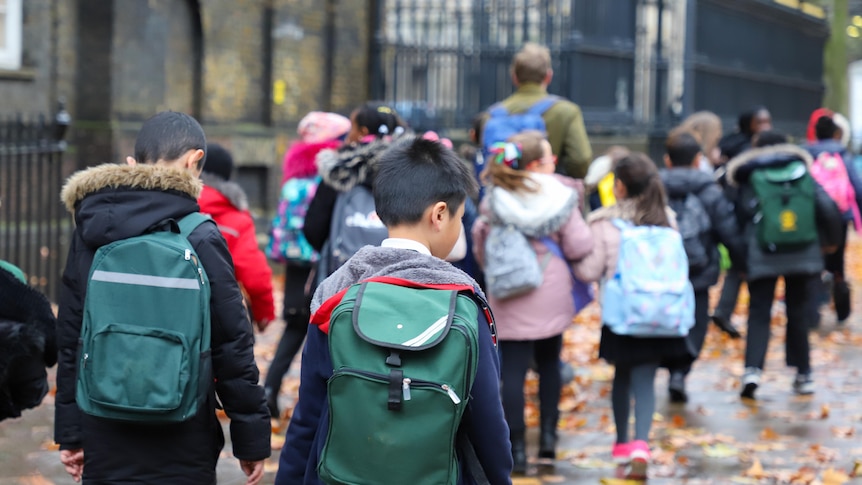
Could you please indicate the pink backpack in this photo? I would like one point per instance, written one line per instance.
(831, 173)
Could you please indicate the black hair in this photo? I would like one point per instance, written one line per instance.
(769, 138)
(415, 173)
(746, 117)
(378, 118)
(825, 128)
(167, 136)
(477, 124)
(682, 148)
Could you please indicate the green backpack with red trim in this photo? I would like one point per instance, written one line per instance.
(404, 360)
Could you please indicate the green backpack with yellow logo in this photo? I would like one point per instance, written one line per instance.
(785, 220)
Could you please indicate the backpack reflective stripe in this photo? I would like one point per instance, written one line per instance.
(145, 335)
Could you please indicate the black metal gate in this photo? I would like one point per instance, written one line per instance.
(749, 53)
(442, 61)
(34, 226)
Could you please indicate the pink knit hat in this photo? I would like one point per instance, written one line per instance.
(318, 127)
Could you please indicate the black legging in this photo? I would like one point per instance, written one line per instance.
(516, 356)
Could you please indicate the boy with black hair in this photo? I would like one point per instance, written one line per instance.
(419, 192)
(705, 218)
(112, 203)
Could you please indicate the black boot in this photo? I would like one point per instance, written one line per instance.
(548, 439)
(519, 453)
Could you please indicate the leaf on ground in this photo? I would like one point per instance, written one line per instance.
(755, 471)
(824, 411)
(526, 481)
(270, 466)
(834, 477)
(553, 479)
(843, 431)
(768, 434)
(621, 481)
(593, 463)
(677, 421)
(720, 450)
(745, 480)
(277, 441)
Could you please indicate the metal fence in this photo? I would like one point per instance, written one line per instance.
(774, 58)
(442, 61)
(34, 227)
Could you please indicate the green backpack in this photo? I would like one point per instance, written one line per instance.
(404, 361)
(785, 220)
(145, 338)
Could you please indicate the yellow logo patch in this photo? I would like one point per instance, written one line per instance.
(787, 219)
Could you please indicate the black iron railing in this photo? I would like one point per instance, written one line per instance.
(34, 227)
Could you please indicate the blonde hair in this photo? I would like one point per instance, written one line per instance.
(532, 63)
(516, 179)
(706, 127)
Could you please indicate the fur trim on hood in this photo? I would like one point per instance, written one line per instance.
(231, 190)
(351, 165)
(536, 214)
(766, 155)
(299, 161)
(625, 210)
(143, 176)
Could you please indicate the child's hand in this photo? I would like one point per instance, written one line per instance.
(253, 470)
(73, 460)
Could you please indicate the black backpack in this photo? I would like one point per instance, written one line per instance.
(694, 225)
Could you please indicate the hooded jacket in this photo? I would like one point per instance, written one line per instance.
(552, 211)
(228, 205)
(835, 146)
(27, 345)
(679, 183)
(114, 202)
(340, 171)
(761, 264)
(299, 161)
(483, 421)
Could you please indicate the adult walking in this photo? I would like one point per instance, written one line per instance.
(531, 74)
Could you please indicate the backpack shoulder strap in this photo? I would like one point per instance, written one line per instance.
(497, 110)
(543, 105)
(190, 222)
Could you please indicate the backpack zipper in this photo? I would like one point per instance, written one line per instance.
(407, 383)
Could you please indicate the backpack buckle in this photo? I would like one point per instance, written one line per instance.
(396, 379)
(394, 359)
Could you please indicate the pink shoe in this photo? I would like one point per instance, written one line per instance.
(640, 457)
(621, 453)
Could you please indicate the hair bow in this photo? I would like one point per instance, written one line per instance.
(508, 154)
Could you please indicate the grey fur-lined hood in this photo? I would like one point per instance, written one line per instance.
(740, 167)
(348, 166)
(371, 262)
(624, 209)
(231, 190)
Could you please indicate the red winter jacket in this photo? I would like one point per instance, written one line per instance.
(227, 204)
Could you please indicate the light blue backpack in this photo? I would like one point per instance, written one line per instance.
(650, 294)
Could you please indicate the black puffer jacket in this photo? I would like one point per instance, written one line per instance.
(679, 182)
(113, 202)
(27, 346)
(761, 264)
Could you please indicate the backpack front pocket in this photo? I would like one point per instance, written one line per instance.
(139, 369)
(390, 446)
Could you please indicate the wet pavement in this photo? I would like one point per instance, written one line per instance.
(715, 438)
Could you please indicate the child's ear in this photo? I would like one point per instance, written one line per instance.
(439, 213)
(130, 161)
(667, 162)
(696, 162)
